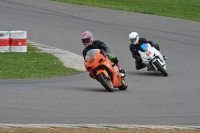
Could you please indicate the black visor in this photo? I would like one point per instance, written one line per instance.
(133, 40)
(86, 40)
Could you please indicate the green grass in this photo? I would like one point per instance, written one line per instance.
(32, 64)
(184, 9)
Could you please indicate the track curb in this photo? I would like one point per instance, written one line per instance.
(69, 59)
(109, 126)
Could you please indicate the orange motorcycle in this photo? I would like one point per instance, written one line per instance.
(104, 71)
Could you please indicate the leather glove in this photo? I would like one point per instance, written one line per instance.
(106, 54)
(102, 51)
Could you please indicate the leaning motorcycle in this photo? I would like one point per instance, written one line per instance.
(104, 71)
(152, 58)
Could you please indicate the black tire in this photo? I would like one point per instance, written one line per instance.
(107, 83)
(124, 85)
(160, 68)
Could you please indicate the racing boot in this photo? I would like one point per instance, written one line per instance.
(121, 70)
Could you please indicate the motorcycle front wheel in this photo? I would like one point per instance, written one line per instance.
(160, 68)
(124, 85)
(106, 82)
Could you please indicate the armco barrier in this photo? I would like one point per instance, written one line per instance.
(4, 41)
(18, 41)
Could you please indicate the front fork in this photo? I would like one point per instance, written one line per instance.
(161, 63)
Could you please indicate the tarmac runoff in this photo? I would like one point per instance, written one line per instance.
(76, 61)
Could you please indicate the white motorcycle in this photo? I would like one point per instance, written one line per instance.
(152, 58)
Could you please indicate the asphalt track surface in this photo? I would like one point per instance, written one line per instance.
(150, 98)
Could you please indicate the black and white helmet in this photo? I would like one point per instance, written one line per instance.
(134, 38)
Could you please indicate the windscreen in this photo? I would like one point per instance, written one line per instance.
(144, 46)
(90, 54)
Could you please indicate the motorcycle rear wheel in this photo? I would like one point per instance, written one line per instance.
(107, 83)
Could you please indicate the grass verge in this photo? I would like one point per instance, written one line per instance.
(184, 9)
(32, 64)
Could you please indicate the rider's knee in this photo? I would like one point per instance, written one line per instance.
(115, 60)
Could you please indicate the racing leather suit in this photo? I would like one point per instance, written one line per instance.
(134, 50)
(97, 44)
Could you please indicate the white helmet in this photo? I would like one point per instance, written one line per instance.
(134, 38)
